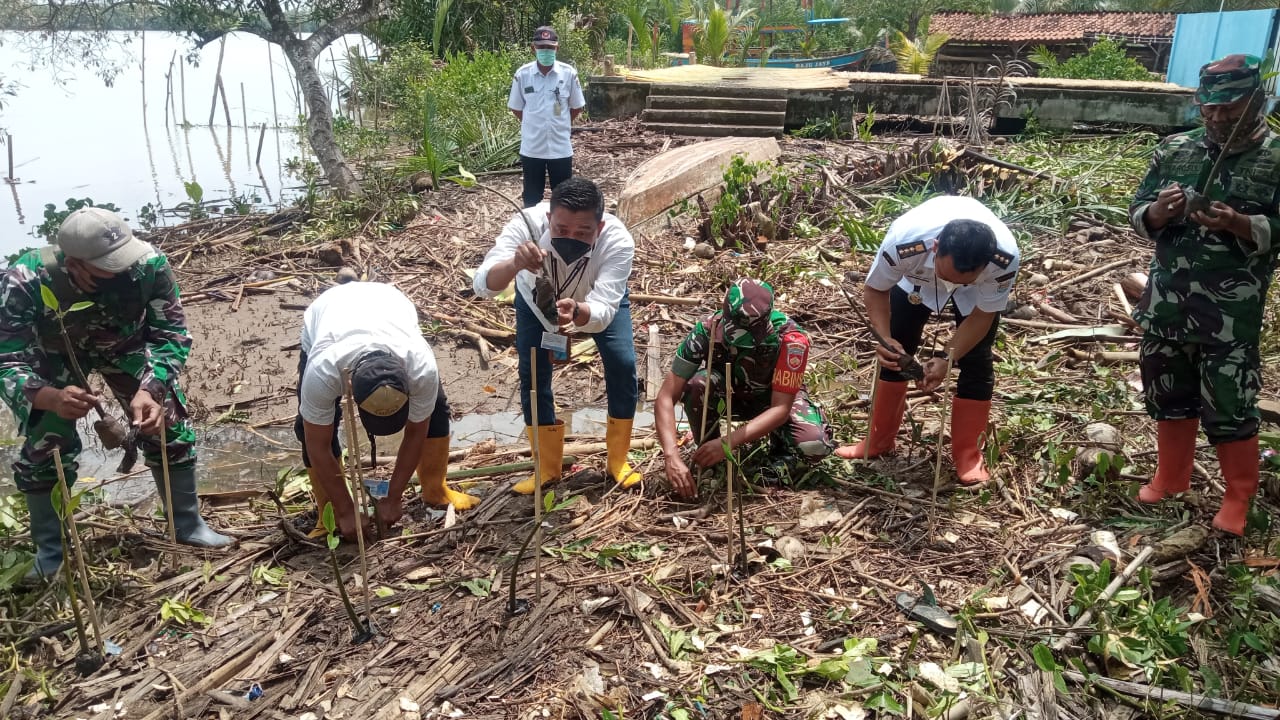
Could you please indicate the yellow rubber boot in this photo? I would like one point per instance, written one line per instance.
(322, 499)
(617, 439)
(548, 440)
(431, 471)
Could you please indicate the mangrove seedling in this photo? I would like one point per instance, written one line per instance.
(109, 429)
(361, 631)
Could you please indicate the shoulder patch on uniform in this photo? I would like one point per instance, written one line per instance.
(795, 336)
(1002, 259)
(910, 249)
(888, 258)
(1006, 276)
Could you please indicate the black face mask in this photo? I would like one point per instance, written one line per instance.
(120, 284)
(569, 249)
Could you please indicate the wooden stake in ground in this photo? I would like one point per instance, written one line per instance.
(537, 473)
(353, 477)
(706, 398)
(164, 471)
(81, 569)
(945, 413)
(727, 439)
(871, 411)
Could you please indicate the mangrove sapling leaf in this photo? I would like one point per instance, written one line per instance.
(82, 305)
(50, 300)
(330, 525)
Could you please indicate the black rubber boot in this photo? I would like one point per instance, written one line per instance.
(46, 532)
(188, 525)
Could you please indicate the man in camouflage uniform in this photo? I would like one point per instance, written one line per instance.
(769, 353)
(1201, 312)
(123, 319)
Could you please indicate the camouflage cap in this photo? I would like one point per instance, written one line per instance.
(748, 307)
(1232, 78)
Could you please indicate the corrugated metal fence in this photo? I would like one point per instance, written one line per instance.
(1202, 37)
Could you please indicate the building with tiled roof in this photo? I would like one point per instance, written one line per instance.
(976, 40)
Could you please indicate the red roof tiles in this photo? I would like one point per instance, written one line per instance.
(1050, 27)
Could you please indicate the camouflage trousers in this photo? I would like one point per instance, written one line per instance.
(1215, 382)
(805, 434)
(46, 433)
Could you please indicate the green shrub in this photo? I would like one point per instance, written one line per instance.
(1106, 60)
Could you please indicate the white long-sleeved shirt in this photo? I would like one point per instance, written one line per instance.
(349, 320)
(601, 284)
(906, 257)
(544, 132)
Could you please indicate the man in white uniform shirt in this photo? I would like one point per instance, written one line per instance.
(571, 276)
(546, 98)
(945, 248)
(372, 329)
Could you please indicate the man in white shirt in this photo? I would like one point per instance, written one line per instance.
(945, 248)
(570, 262)
(546, 98)
(372, 329)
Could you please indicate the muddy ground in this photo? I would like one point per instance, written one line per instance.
(637, 611)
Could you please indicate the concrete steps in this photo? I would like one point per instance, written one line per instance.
(715, 111)
(690, 102)
(715, 130)
(715, 117)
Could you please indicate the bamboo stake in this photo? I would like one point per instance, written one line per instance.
(944, 411)
(271, 73)
(168, 89)
(226, 109)
(537, 473)
(727, 439)
(182, 87)
(257, 159)
(8, 141)
(706, 397)
(144, 79)
(217, 79)
(244, 111)
(164, 471)
(81, 569)
(353, 464)
(1148, 693)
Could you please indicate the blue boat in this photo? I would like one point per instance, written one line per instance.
(836, 61)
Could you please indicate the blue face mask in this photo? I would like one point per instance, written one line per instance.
(546, 58)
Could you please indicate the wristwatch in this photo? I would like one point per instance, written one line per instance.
(575, 311)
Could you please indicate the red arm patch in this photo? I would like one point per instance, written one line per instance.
(793, 357)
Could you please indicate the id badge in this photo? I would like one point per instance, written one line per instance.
(558, 345)
(556, 110)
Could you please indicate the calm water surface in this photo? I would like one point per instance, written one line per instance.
(75, 137)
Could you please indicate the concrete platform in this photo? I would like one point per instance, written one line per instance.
(813, 95)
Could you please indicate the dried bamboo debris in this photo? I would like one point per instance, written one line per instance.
(620, 567)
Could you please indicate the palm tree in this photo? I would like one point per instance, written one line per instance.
(716, 28)
(637, 13)
(916, 56)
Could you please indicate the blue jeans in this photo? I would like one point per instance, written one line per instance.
(616, 345)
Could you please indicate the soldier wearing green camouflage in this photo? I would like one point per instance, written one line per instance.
(1201, 312)
(123, 318)
(768, 353)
